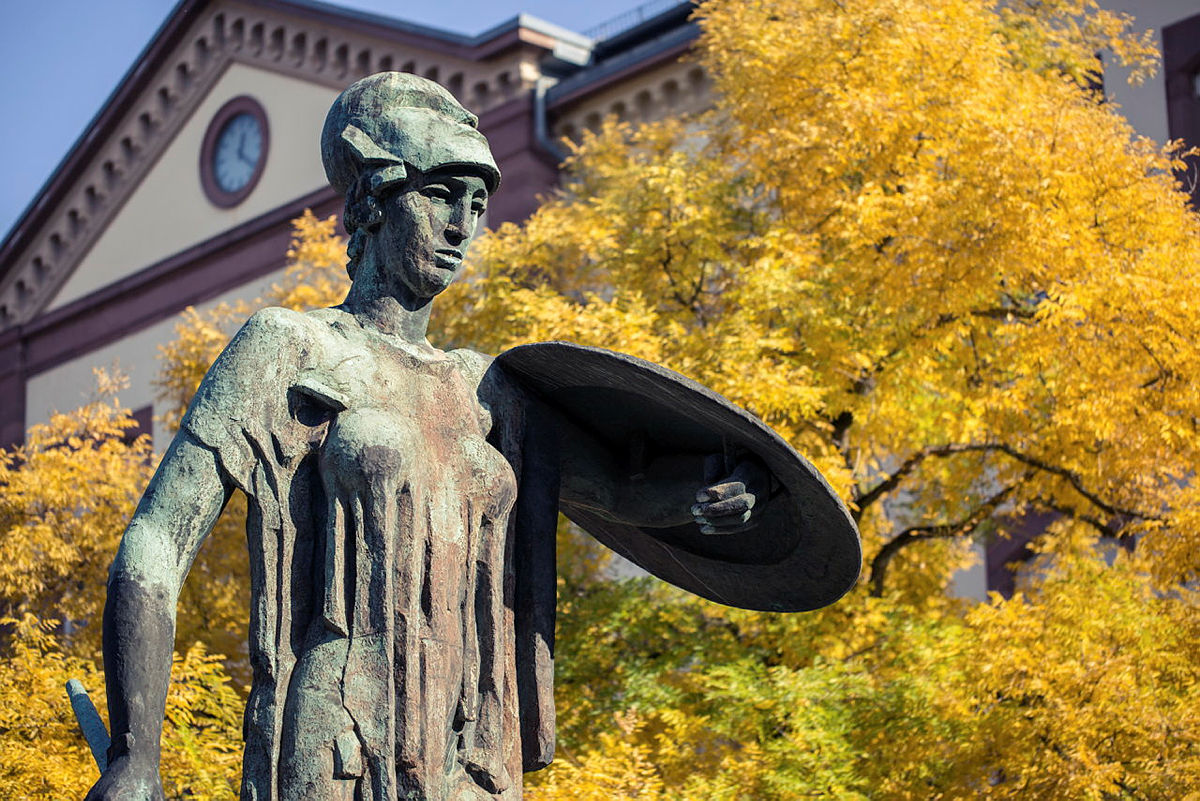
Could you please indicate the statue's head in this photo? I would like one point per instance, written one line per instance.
(390, 132)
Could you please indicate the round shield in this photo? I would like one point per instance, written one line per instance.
(803, 551)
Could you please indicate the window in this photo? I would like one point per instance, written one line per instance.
(1181, 65)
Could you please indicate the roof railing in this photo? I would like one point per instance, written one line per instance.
(631, 19)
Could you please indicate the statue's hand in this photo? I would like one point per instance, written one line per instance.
(128, 779)
(726, 506)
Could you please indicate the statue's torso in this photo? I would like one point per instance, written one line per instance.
(413, 554)
(381, 517)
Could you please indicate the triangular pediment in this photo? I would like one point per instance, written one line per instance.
(146, 230)
(105, 213)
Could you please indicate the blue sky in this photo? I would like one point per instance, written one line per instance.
(60, 59)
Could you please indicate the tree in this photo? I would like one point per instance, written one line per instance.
(910, 238)
(940, 261)
(65, 496)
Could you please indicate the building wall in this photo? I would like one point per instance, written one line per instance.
(972, 582)
(169, 211)
(1145, 105)
(676, 87)
(72, 384)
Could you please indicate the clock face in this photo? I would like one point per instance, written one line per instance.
(238, 152)
(234, 152)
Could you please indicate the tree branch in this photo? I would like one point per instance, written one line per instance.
(879, 564)
(1014, 312)
(912, 462)
(1072, 478)
(841, 425)
(1103, 528)
(869, 497)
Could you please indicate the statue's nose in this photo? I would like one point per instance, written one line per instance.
(456, 227)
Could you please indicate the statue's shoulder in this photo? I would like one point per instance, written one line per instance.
(271, 347)
(286, 335)
(277, 323)
(472, 364)
(494, 388)
(267, 334)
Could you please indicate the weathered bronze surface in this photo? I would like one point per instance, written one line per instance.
(802, 552)
(403, 504)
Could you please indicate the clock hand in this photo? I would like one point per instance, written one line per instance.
(251, 160)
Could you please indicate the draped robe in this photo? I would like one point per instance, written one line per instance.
(402, 509)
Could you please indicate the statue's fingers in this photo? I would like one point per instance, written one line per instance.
(720, 492)
(725, 521)
(730, 507)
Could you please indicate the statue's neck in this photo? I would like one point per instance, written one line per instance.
(395, 313)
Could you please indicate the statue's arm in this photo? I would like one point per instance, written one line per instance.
(175, 514)
(660, 491)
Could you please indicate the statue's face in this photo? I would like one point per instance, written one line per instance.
(427, 226)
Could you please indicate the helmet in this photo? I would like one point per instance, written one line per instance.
(386, 121)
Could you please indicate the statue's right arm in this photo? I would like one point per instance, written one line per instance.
(174, 516)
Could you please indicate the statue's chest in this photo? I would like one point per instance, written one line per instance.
(395, 420)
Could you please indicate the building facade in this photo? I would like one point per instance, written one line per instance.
(1167, 106)
(182, 190)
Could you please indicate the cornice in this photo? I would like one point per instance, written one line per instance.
(669, 46)
(187, 57)
(198, 274)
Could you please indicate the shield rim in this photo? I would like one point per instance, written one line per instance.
(817, 581)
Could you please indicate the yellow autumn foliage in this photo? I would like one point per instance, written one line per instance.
(65, 496)
(910, 238)
(918, 255)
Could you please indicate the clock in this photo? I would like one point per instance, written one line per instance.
(234, 152)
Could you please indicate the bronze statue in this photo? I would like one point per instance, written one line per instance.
(403, 502)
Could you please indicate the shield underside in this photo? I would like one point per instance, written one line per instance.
(803, 552)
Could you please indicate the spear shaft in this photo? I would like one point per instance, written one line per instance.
(89, 723)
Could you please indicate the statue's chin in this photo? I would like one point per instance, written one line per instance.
(441, 278)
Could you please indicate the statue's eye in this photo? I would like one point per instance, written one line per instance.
(437, 192)
(479, 207)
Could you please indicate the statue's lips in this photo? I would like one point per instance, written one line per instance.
(449, 259)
